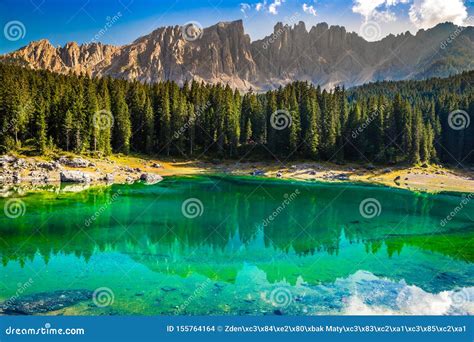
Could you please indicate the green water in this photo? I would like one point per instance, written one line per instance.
(255, 246)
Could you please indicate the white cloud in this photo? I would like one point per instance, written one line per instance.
(260, 5)
(273, 8)
(385, 16)
(366, 8)
(244, 7)
(428, 13)
(377, 10)
(309, 9)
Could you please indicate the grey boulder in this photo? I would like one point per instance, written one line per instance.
(150, 178)
(74, 177)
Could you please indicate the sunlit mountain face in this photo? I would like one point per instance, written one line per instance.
(224, 53)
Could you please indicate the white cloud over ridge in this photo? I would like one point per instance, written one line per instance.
(244, 7)
(271, 7)
(422, 13)
(428, 13)
(309, 9)
(378, 10)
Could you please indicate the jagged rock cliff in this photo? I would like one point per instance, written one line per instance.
(224, 53)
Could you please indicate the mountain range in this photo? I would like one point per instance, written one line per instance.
(325, 55)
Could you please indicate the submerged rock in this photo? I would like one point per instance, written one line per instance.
(74, 177)
(44, 302)
(74, 187)
(151, 178)
(258, 173)
(168, 288)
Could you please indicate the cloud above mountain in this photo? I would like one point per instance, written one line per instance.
(379, 10)
(427, 13)
(422, 13)
(309, 9)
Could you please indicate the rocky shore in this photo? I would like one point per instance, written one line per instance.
(73, 173)
(15, 170)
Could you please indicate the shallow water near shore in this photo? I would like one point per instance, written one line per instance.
(212, 245)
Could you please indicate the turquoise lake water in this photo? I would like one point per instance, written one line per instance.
(213, 245)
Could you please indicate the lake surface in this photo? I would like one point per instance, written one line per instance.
(212, 245)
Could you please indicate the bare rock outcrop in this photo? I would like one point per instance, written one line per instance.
(323, 54)
(74, 177)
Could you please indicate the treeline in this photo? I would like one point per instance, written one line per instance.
(403, 122)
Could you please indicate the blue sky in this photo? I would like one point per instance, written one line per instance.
(80, 20)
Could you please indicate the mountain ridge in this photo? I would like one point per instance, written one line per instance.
(325, 55)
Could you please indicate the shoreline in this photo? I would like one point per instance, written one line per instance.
(41, 172)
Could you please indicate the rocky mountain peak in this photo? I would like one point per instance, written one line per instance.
(323, 54)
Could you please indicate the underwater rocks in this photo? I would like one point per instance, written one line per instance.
(150, 178)
(44, 302)
(257, 173)
(168, 288)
